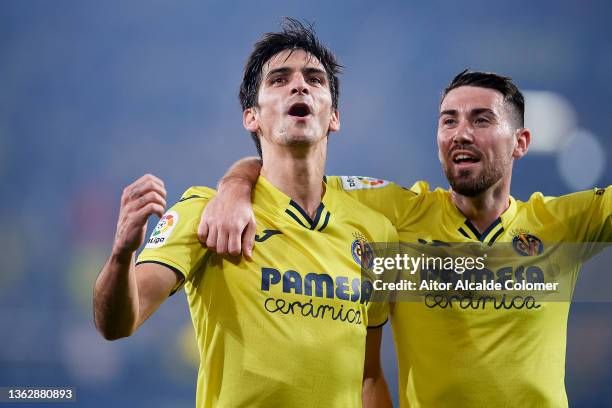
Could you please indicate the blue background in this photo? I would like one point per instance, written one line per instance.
(95, 94)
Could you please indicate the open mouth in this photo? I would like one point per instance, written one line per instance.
(464, 157)
(299, 109)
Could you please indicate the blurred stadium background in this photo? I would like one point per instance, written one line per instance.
(94, 94)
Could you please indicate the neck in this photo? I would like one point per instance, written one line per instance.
(483, 209)
(297, 172)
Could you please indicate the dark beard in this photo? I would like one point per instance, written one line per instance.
(469, 186)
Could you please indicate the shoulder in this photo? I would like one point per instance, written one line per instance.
(348, 183)
(193, 201)
(425, 199)
(179, 223)
(578, 200)
(198, 192)
(423, 189)
(353, 211)
(575, 210)
(356, 183)
(196, 195)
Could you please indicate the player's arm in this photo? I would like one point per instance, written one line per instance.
(390, 199)
(594, 224)
(588, 214)
(602, 229)
(228, 223)
(375, 393)
(125, 295)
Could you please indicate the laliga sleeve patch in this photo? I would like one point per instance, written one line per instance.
(162, 231)
(361, 183)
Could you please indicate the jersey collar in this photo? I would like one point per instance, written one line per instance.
(273, 200)
(467, 230)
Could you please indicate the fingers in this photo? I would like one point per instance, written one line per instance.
(148, 189)
(141, 199)
(137, 192)
(221, 241)
(234, 242)
(212, 233)
(152, 197)
(148, 177)
(211, 240)
(140, 187)
(140, 217)
(248, 239)
(222, 224)
(222, 238)
(207, 226)
(203, 231)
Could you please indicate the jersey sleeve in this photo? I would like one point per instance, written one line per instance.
(588, 214)
(378, 312)
(600, 228)
(174, 242)
(385, 197)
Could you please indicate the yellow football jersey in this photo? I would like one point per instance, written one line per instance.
(458, 355)
(287, 329)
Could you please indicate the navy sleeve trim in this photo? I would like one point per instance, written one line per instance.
(172, 268)
(189, 198)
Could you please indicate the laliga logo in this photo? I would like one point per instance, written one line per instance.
(526, 244)
(359, 182)
(371, 182)
(163, 229)
(362, 251)
(166, 222)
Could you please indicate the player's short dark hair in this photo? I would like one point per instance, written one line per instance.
(294, 35)
(512, 96)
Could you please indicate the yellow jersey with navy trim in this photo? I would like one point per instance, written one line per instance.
(458, 355)
(287, 329)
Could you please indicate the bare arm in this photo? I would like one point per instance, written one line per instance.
(125, 295)
(228, 223)
(375, 393)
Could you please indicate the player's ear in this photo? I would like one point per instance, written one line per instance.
(334, 121)
(250, 119)
(523, 140)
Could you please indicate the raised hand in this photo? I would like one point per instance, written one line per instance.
(142, 198)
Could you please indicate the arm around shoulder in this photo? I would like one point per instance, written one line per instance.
(227, 224)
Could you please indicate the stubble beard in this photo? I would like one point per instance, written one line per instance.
(470, 185)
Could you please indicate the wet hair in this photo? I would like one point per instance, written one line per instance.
(294, 35)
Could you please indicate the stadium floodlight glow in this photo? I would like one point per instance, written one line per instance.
(582, 162)
(551, 119)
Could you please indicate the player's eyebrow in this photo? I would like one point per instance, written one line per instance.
(473, 112)
(305, 71)
(451, 112)
(479, 111)
(281, 70)
(313, 70)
